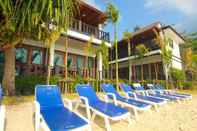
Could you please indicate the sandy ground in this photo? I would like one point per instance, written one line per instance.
(171, 117)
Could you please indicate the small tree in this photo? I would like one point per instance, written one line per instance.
(127, 36)
(177, 76)
(113, 16)
(141, 51)
(103, 49)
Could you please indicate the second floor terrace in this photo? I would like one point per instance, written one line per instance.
(88, 22)
(90, 30)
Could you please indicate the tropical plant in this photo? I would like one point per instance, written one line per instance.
(141, 50)
(20, 19)
(127, 36)
(113, 16)
(166, 52)
(16, 20)
(177, 76)
(89, 49)
(54, 22)
(103, 49)
(189, 54)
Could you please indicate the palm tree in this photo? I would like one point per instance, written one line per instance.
(89, 49)
(113, 17)
(141, 51)
(16, 20)
(127, 36)
(19, 19)
(103, 49)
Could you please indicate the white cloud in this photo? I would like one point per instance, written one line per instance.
(186, 7)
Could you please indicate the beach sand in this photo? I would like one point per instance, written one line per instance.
(171, 117)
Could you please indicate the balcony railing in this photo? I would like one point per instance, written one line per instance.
(89, 30)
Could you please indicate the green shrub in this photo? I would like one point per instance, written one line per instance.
(25, 85)
(187, 85)
(177, 74)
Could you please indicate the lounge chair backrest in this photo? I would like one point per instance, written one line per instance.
(108, 88)
(48, 96)
(88, 92)
(151, 86)
(160, 87)
(126, 88)
(138, 86)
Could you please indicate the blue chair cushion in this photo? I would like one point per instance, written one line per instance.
(61, 119)
(133, 102)
(106, 108)
(155, 100)
(108, 88)
(48, 96)
(165, 97)
(109, 109)
(126, 88)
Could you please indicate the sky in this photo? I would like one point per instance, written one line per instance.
(181, 14)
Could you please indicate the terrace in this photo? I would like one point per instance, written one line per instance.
(89, 30)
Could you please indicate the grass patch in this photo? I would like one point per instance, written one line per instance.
(15, 100)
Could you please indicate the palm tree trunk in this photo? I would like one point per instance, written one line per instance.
(142, 72)
(130, 68)
(9, 71)
(116, 48)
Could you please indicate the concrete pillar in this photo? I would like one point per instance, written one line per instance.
(100, 65)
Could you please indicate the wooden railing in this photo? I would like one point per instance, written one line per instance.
(24, 69)
(89, 30)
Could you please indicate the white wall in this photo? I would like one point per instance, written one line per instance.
(176, 61)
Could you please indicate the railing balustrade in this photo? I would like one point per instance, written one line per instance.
(89, 30)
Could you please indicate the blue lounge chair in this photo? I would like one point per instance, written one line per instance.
(117, 98)
(156, 94)
(167, 92)
(171, 92)
(151, 100)
(2, 112)
(51, 114)
(106, 110)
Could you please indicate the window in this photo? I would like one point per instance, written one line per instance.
(70, 61)
(90, 62)
(21, 55)
(36, 57)
(79, 62)
(58, 60)
(171, 43)
(2, 57)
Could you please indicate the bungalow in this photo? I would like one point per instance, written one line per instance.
(32, 56)
(154, 67)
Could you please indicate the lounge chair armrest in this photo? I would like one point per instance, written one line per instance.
(69, 103)
(2, 117)
(132, 93)
(85, 100)
(113, 97)
(37, 115)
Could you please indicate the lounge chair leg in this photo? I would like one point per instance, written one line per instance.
(136, 114)
(129, 119)
(88, 113)
(107, 124)
(93, 116)
(77, 106)
(156, 108)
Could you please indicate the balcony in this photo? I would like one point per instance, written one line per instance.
(89, 30)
